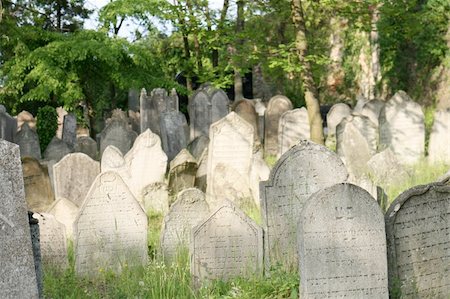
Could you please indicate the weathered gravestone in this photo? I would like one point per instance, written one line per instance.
(155, 198)
(69, 134)
(8, 125)
(260, 109)
(38, 189)
(188, 210)
(61, 113)
(293, 127)
(197, 146)
(342, 245)
(202, 171)
(133, 99)
(182, 172)
(174, 132)
(26, 117)
(73, 176)
(439, 147)
(52, 236)
(208, 105)
(229, 156)
(65, 211)
(152, 106)
(259, 172)
(246, 110)
(28, 141)
(371, 109)
(86, 145)
(113, 160)
(146, 162)
(117, 133)
(336, 114)
(111, 228)
(385, 169)
(277, 106)
(227, 244)
(303, 170)
(17, 271)
(402, 128)
(417, 227)
(56, 150)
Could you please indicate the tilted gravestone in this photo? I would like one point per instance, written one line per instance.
(155, 197)
(69, 134)
(260, 109)
(111, 228)
(117, 133)
(73, 176)
(342, 245)
(86, 145)
(208, 105)
(197, 146)
(65, 211)
(439, 147)
(152, 106)
(231, 146)
(146, 162)
(293, 127)
(276, 107)
(17, 271)
(174, 132)
(417, 227)
(372, 109)
(402, 128)
(227, 244)
(8, 125)
(38, 189)
(188, 210)
(52, 236)
(113, 160)
(246, 110)
(26, 117)
(303, 170)
(56, 150)
(182, 172)
(336, 114)
(28, 141)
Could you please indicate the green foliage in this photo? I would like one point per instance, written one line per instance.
(46, 125)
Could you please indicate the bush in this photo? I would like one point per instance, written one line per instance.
(46, 125)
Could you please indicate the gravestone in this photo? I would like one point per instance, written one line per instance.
(69, 134)
(188, 210)
(182, 172)
(146, 162)
(402, 128)
(227, 244)
(293, 126)
(260, 109)
(336, 114)
(133, 99)
(152, 106)
(117, 133)
(53, 241)
(417, 227)
(219, 104)
(146, 113)
(8, 125)
(303, 170)
(230, 147)
(26, 117)
(111, 228)
(56, 150)
(113, 160)
(439, 147)
(246, 110)
(174, 132)
(259, 172)
(86, 145)
(61, 113)
(155, 197)
(202, 171)
(65, 211)
(197, 146)
(372, 110)
(17, 271)
(342, 245)
(73, 176)
(385, 169)
(28, 141)
(38, 189)
(277, 106)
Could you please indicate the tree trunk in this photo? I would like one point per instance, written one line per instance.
(375, 53)
(310, 89)
(238, 90)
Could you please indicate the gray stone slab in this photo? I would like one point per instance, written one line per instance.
(69, 134)
(197, 146)
(293, 127)
(17, 271)
(56, 150)
(73, 176)
(111, 228)
(402, 128)
(342, 245)
(187, 211)
(182, 172)
(439, 146)
(38, 189)
(155, 198)
(246, 110)
(227, 244)
(28, 141)
(417, 227)
(303, 170)
(372, 110)
(277, 106)
(88, 146)
(65, 211)
(133, 99)
(118, 134)
(8, 126)
(385, 169)
(174, 132)
(336, 114)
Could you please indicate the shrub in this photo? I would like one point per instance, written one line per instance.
(46, 125)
